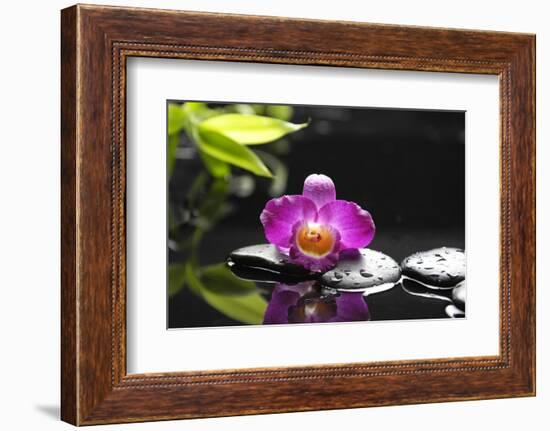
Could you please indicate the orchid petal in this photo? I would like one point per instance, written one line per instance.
(281, 300)
(314, 264)
(351, 307)
(281, 214)
(320, 189)
(354, 224)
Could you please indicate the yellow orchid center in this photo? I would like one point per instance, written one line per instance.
(315, 240)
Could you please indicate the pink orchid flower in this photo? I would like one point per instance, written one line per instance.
(315, 226)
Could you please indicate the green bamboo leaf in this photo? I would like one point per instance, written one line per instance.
(176, 278)
(192, 279)
(248, 129)
(240, 108)
(249, 308)
(219, 279)
(215, 167)
(176, 118)
(196, 112)
(282, 112)
(194, 107)
(227, 150)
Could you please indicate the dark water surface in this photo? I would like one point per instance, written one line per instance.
(186, 310)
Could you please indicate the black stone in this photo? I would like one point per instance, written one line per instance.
(459, 295)
(416, 289)
(266, 257)
(440, 268)
(363, 269)
(267, 276)
(454, 312)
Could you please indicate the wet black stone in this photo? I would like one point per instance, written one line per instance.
(413, 288)
(459, 295)
(440, 268)
(397, 304)
(267, 276)
(454, 312)
(362, 269)
(266, 257)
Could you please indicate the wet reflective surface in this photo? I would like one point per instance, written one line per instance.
(361, 276)
(395, 297)
(362, 270)
(266, 257)
(399, 304)
(310, 302)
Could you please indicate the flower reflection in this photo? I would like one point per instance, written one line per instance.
(309, 302)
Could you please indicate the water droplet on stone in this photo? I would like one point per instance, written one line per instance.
(449, 263)
(364, 270)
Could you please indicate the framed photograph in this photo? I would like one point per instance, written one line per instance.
(329, 214)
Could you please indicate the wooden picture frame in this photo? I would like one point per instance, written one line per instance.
(95, 43)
